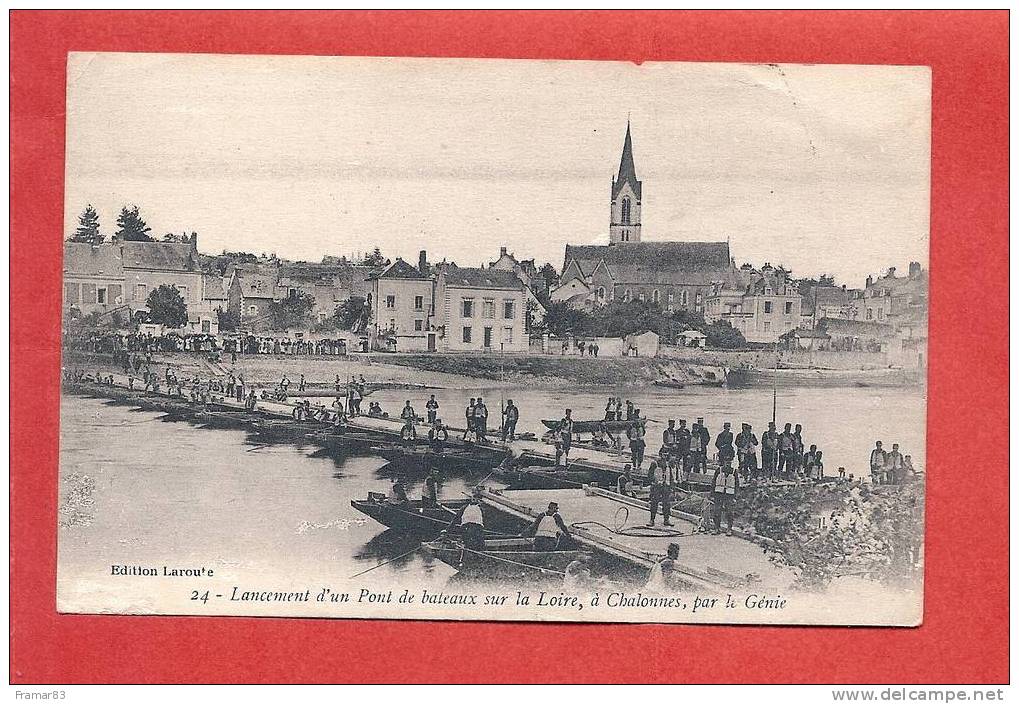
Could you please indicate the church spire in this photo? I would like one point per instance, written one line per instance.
(626, 170)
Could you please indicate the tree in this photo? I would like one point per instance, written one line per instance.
(723, 335)
(562, 320)
(174, 237)
(228, 321)
(88, 227)
(166, 307)
(132, 227)
(375, 258)
(291, 312)
(549, 276)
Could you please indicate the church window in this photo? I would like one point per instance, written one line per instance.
(601, 293)
(655, 297)
(683, 298)
(625, 212)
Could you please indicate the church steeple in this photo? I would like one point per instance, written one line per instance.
(624, 219)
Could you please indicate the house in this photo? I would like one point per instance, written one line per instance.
(93, 278)
(402, 307)
(328, 284)
(693, 338)
(806, 339)
(766, 309)
(249, 297)
(481, 310)
(644, 344)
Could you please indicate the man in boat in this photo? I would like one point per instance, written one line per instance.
(471, 522)
(746, 450)
(564, 439)
(548, 529)
(637, 444)
(660, 496)
(432, 409)
(408, 432)
(481, 419)
(430, 495)
(398, 493)
(624, 484)
(769, 451)
(723, 496)
(723, 443)
(511, 414)
(437, 435)
(666, 567)
(877, 464)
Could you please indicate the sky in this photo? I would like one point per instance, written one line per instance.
(824, 169)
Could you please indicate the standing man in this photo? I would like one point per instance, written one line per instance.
(548, 529)
(432, 409)
(469, 417)
(481, 419)
(668, 453)
(661, 495)
(702, 460)
(301, 385)
(565, 439)
(723, 496)
(696, 446)
(629, 409)
(894, 464)
(637, 445)
(746, 450)
(684, 440)
(471, 522)
(769, 451)
(877, 464)
(786, 445)
(797, 449)
(610, 409)
(723, 443)
(511, 414)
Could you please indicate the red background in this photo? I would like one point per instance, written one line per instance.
(964, 637)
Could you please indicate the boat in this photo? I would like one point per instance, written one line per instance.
(533, 477)
(750, 377)
(413, 516)
(590, 426)
(669, 383)
(503, 558)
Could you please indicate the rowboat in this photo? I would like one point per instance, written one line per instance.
(669, 383)
(503, 558)
(532, 477)
(412, 517)
(590, 426)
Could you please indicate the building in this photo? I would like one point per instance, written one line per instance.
(674, 275)
(889, 298)
(250, 295)
(765, 310)
(93, 278)
(402, 307)
(328, 284)
(481, 310)
(856, 335)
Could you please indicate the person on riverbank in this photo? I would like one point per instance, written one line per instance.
(564, 439)
(878, 457)
(769, 451)
(798, 448)
(746, 451)
(786, 450)
(301, 386)
(660, 496)
(481, 420)
(548, 529)
(723, 496)
(239, 388)
(510, 414)
(251, 401)
(432, 408)
(893, 465)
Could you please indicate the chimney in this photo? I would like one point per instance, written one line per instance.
(423, 262)
(194, 241)
(502, 251)
(914, 270)
(870, 281)
(891, 272)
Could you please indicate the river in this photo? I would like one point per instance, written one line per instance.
(139, 490)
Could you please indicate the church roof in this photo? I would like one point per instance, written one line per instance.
(627, 172)
(665, 263)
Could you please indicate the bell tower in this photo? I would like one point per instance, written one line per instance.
(624, 218)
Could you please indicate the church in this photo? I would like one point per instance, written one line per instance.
(675, 275)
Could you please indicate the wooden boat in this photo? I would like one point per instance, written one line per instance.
(590, 426)
(412, 517)
(669, 383)
(533, 477)
(503, 558)
(750, 377)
